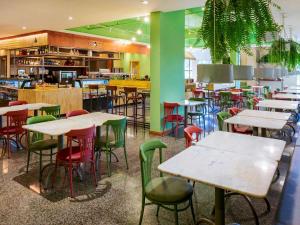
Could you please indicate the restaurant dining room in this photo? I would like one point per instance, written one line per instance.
(150, 112)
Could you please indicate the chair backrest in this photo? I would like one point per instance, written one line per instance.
(111, 90)
(13, 103)
(221, 116)
(197, 93)
(51, 110)
(225, 95)
(119, 130)
(37, 119)
(147, 151)
(250, 104)
(170, 108)
(77, 113)
(85, 139)
(189, 131)
(17, 119)
(234, 110)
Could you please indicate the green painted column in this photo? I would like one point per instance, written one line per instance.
(167, 36)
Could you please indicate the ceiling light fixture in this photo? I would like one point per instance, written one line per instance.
(148, 46)
(70, 18)
(145, 2)
(139, 31)
(133, 39)
(146, 19)
(24, 27)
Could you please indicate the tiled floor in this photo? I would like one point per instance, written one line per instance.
(116, 200)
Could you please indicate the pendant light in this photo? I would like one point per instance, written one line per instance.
(243, 72)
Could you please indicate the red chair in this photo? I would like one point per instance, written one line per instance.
(171, 115)
(198, 93)
(234, 111)
(188, 134)
(13, 103)
(15, 121)
(239, 129)
(255, 102)
(77, 113)
(82, 152)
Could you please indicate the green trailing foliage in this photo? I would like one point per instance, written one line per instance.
(233, 25)
(283, 52)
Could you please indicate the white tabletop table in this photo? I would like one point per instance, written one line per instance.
(294, 87)
(286, 96)
(32, 106)
(244, 144)
(256, 122)
(265, 114)
(291, 91)
(278, 104)
(63, 126)
(189, 103)
(225, 171)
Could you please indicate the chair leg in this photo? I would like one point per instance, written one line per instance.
(94, 172)
(28, 160)
(157, 210)
(192, 209)
(176, 214)
(41, 162)
(71, 179)
(108, 162)
(142, 210)
(125, 153)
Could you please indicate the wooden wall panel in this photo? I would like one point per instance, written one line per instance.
(69, 99)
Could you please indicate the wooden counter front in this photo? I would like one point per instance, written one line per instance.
(68, 98)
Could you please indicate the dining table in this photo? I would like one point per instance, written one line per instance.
(224, 170)
(256, 123)
(265, 114)
(189, 103)
(278, 104)
(31, 107)
(286, 96)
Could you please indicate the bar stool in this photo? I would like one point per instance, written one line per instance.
(93, 94)
(131, 96)
(112, 98)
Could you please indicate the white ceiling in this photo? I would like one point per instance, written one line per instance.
(53, 14)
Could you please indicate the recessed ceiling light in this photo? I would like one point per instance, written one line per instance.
(133, 39)
(139, 31)
(24, 27)
(70, 18)
(146, 19)
(145, 2)
(148, 46)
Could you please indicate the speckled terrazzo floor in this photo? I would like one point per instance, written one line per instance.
(116, 200)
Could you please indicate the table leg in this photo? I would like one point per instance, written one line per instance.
(0, 121)
(220, 207)
(263, 132)
(255, 131)
(60, 143)
(185, 115)
(36, 112)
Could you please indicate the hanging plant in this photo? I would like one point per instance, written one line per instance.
(284, 53)
(233, 25)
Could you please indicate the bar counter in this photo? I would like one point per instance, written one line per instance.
(68, 98)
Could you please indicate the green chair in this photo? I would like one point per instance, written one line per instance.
(164, 191)
(250, 104)
(225, 100)
(222, 116)
(51, 110)
(198, 112)
(110, 142)
(37, 144)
